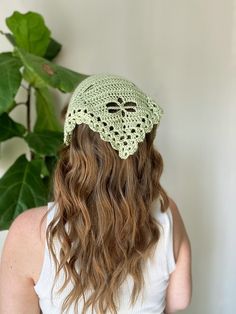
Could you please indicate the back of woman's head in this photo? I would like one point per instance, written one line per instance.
(103, 219)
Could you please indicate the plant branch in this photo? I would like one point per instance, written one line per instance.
(28, 100)
(28, 114)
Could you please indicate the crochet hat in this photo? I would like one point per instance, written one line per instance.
(115, 108)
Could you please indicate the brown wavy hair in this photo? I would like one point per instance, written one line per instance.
(105, 201)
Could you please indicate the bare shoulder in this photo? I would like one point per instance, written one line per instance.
(28, 222)
(21, 262)
(24, 235)
(30, 214)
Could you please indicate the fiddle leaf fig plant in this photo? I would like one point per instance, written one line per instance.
(30, 66)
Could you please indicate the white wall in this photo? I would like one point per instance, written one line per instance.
(184, 54)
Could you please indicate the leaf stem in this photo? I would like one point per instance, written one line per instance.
(28, 114)
(28, 109)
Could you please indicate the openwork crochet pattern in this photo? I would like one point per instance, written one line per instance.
(115, 108)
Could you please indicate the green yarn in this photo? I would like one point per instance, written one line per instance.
(115, 108)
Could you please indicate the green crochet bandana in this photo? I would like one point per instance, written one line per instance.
(115, 108)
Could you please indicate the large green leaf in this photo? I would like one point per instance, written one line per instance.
(21, 188)
(48, 172)
(50, 162)
(30, 32)
(10, 79)
(46, 116)
(45, 142)
(9, 128)
(11, 38)
(53, 49)
(41, 72)
(33, 79)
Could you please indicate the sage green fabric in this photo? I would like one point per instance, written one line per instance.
(115, 108)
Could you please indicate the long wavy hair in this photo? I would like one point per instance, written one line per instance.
(105, 202)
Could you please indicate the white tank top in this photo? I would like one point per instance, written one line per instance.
(156, 275)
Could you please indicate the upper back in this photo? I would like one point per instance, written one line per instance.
(156, 274)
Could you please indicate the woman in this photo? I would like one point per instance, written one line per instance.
(112, 241)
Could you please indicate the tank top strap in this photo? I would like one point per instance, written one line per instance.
(51, 212)
(41, 286)
(166, 220)
(171, 264)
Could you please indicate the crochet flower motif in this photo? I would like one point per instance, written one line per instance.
(123, 106)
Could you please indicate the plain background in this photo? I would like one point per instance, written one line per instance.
(183, 53)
